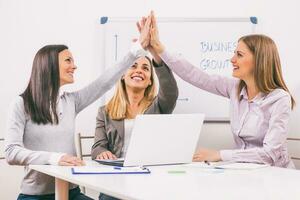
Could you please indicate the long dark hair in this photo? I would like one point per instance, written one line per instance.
(40, 96)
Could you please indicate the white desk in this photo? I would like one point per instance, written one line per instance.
(197, 183)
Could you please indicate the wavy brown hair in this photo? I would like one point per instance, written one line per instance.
(267, 72)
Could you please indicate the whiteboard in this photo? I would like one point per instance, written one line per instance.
(207, 43)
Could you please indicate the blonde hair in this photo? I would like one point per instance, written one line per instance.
(117, 108)
(267, 72)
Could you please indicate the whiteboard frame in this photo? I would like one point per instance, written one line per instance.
(252, 19)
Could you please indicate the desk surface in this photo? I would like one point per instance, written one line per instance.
(197, 183)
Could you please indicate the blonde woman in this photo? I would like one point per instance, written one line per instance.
(135, 94)
(260, 102)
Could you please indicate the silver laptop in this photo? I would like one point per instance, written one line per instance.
(161, 140)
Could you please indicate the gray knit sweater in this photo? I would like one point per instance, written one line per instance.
(29, 143)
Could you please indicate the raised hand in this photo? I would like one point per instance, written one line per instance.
(144, 29)
(154, 36)
(140, 26)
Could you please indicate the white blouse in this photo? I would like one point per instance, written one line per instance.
(128, 126)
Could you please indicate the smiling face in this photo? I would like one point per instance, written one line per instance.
(138, 76)
(66, 67)
(243, 62)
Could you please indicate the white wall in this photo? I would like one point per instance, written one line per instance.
(28, 25)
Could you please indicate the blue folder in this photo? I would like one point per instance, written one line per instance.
(109, 170)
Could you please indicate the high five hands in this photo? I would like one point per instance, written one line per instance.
(149, 37)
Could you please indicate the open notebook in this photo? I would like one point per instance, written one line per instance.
(227, 165)
(241, 166)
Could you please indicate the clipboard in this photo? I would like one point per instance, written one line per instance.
(109, 170)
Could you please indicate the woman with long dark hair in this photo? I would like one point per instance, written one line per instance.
(41, 122)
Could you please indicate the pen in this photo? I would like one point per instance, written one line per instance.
(118, 168)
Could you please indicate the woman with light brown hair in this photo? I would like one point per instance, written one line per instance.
(260, 102)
